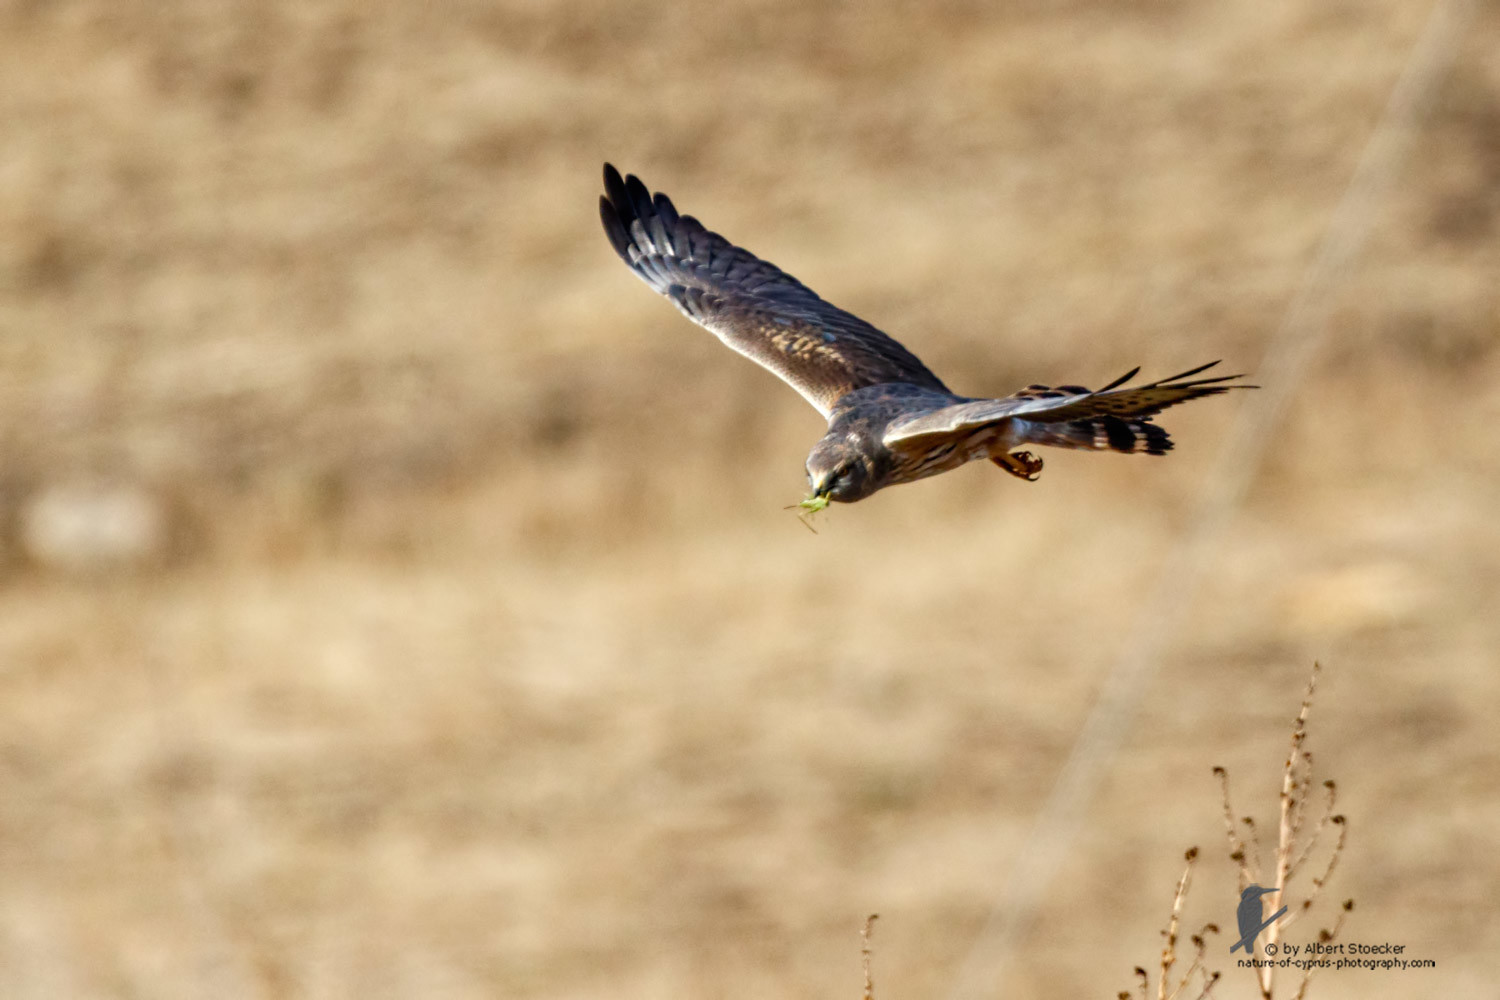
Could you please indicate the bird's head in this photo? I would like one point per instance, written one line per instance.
(837, 471)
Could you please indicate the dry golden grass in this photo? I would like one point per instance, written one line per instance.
(466, 650)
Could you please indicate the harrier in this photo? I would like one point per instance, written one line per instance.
(890, 420)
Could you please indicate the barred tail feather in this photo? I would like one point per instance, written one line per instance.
(1102, 433)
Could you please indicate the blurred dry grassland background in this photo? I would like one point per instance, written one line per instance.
(396, 599)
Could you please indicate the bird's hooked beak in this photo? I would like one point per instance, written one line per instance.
(818, 499)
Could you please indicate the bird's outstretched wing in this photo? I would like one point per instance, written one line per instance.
(752, 305)
(1111, 417)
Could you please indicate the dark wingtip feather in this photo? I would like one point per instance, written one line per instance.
(1122, 379)
(619, 237)
(634, 203)
(665, 209)
(1169, 384)
(1194, 371)
(640, 198)
(614, 189)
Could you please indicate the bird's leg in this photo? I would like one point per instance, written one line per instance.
(1021, 464)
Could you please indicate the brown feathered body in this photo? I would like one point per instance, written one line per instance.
(890, 419)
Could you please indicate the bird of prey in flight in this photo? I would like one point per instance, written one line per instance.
(890, 419)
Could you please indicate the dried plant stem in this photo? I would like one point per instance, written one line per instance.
(1324, 937)
(1289, 822)
(1169, 950)
(1237, 852)
(1255, 855)
(1296, 841)
(864, 937)
(1323, 820)
(1200, 954)
(1165, 990)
